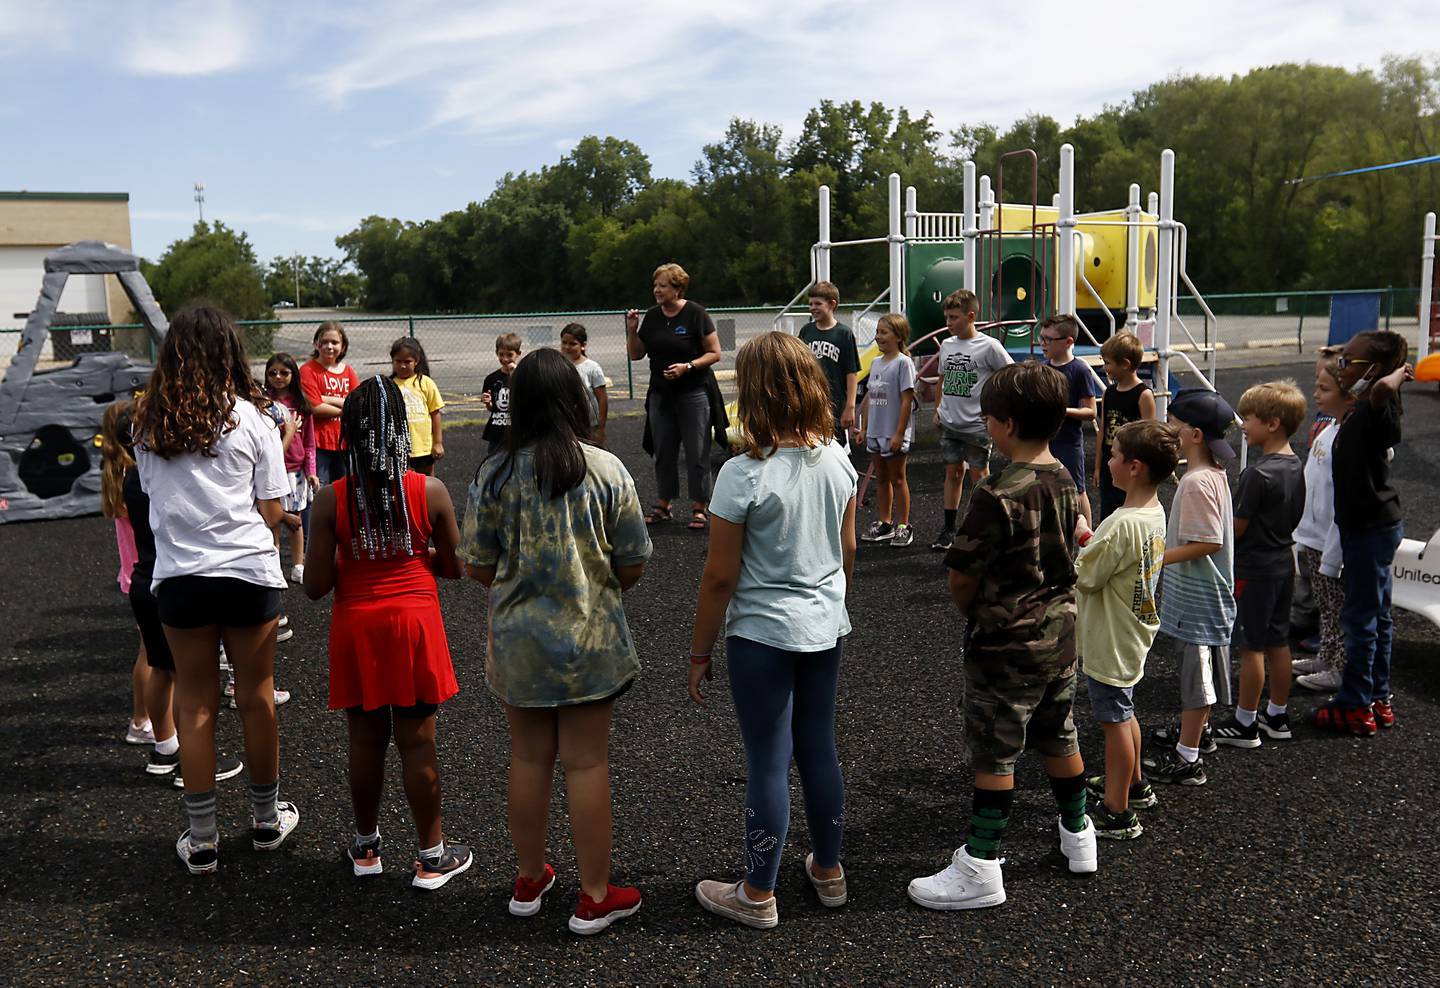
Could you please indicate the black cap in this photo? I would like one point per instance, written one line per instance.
(1209, 412)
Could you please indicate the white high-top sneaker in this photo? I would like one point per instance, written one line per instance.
(967, 883)
(1079, 849)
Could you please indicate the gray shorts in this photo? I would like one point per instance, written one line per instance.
(1204, 676)
(882, 446)
(1110, 704)
(964, 447)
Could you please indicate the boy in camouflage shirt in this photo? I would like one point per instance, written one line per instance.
(1012, 573)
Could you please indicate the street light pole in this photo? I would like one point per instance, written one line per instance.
(296, 261)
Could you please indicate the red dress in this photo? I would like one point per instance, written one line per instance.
(387, 639)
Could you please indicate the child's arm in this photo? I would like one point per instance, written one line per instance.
(1241, 524)
(1085, 411)
(717, 586)
(847, 413)
(907, 399)
(847, 544)
(1147, 403)
(963, 589)
(1097, 563)
(437, 445)
(602, 400)
(1188, 551)
(1386, 387)
(320, 546)
(444, 530)
(307, 436)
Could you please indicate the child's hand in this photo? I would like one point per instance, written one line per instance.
(897, 442)
(1082, 530)
(437, 450)
(313, 481)
(485, 399)
(698, 673)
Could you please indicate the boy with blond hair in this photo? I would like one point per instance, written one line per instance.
(965, 362)
(1116, 574)
(495, 393)
(833, 344)
(1269, 503)
(1127, 399)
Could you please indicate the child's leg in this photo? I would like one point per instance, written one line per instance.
(762, 683)
(583, 736)
(1120, 765)
(252, 653)
(1252, 680)
(415, 737)
(159, 703)
(1280, 659)
(533, 747)
(1192, 726)
(1135, 742)
(139, 677)
(902, 490)
(954, 484)
(884, 495)
(197, 699)
(369, 740)
(812, 727)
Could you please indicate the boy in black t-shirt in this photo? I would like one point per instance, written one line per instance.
(496, 394)
(1269, 503)
(833, 344)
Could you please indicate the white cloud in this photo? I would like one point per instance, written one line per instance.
(191, 39)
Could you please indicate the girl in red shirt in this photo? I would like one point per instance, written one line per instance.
(326, 379)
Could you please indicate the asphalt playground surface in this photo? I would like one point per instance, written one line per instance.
(1311, 861)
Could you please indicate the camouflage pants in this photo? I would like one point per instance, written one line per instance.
(1004, 719)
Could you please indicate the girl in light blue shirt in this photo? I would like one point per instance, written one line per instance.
(782, 552)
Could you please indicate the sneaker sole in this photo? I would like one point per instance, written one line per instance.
(519, 908)
(1239, 742)
(1285, 735)
(948, 905)
(589, 927)
(431, 884)
(161, 769)
(1144, 803)
(883, 538)
(1128, 834)
(138, 740)
(179, 782)
(1191, 780)
(745, 918)
(370, 867)
(829, 901)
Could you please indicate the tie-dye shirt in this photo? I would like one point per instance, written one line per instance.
(557, 629)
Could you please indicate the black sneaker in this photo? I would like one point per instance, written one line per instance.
(200, 859)
(365, 856)
(226, 767)
(904, 535)
(1277, 727)
(162, 764)
(943, 540)
(1142, 795)
(1115, 826)
(879, 531)
(1170, 735)
(1237, 735)
(1172, 770)
(432, 873)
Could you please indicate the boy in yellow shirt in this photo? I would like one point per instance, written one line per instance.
(1117, 571)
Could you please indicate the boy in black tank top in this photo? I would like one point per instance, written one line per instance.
(1128, 399)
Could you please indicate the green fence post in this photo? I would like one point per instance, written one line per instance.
(411, 320)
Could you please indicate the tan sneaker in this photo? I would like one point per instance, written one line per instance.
(831, 891)
(723, 899)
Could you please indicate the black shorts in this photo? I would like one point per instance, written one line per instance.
(147, 616)
(202, 601)
(416, 711)
(1262, 613)
(423, 464)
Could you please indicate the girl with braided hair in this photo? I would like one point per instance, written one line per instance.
(389, 659)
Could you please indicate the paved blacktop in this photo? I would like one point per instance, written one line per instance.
(1305, 862)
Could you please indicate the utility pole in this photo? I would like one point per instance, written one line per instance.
(296, 260)
(200, 199)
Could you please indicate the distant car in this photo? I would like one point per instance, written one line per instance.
(282, 304)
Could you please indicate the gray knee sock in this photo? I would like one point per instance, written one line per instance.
(263, 799)
(200, 807)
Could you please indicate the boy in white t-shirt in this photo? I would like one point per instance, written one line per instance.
(1117, 571)
(966, 360)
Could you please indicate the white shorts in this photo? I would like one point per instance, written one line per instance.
(875, 444)
(300, 494)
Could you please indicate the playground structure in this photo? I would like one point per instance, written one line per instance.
(1113, 269)
(50, 420)
(1427, 364)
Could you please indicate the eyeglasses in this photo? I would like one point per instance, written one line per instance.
(1343, 362)
(1052, 339)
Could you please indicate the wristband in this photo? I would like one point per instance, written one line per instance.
(699, 660)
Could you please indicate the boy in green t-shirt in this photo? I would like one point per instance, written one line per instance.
(1116, 573)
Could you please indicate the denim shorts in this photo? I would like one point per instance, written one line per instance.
(962, 447)
(1111, 704)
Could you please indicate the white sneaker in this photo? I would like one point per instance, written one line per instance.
(297, 573)
(1079, 849)
(282, 697)
(1324, 681)
(139, 733)
(1308, 666)
(966, 883)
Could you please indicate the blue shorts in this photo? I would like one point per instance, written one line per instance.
(1111, 704)
(1072, 458)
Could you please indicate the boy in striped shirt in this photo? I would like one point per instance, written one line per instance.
(1197, 603)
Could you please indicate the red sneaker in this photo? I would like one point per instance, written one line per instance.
(530, 893)
(1384, 712)
(1359, 721)
(592, 917)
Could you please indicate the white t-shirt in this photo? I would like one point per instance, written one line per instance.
(964, 366)
(202, 508)
(1317, 529)
(594, 377)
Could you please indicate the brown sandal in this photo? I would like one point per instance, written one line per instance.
(658, 513)
(698, 520)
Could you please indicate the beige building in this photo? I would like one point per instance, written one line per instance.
(34, 223)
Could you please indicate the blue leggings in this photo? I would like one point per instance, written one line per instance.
(785, 702)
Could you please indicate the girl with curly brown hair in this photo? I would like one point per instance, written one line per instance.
(210, 458)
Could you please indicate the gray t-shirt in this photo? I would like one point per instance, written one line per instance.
(885, 387)
(1271, 494)
(791, 591)
(964, 366)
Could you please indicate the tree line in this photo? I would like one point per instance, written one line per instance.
(587, 231)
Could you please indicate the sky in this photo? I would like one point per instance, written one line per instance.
(301, 118)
